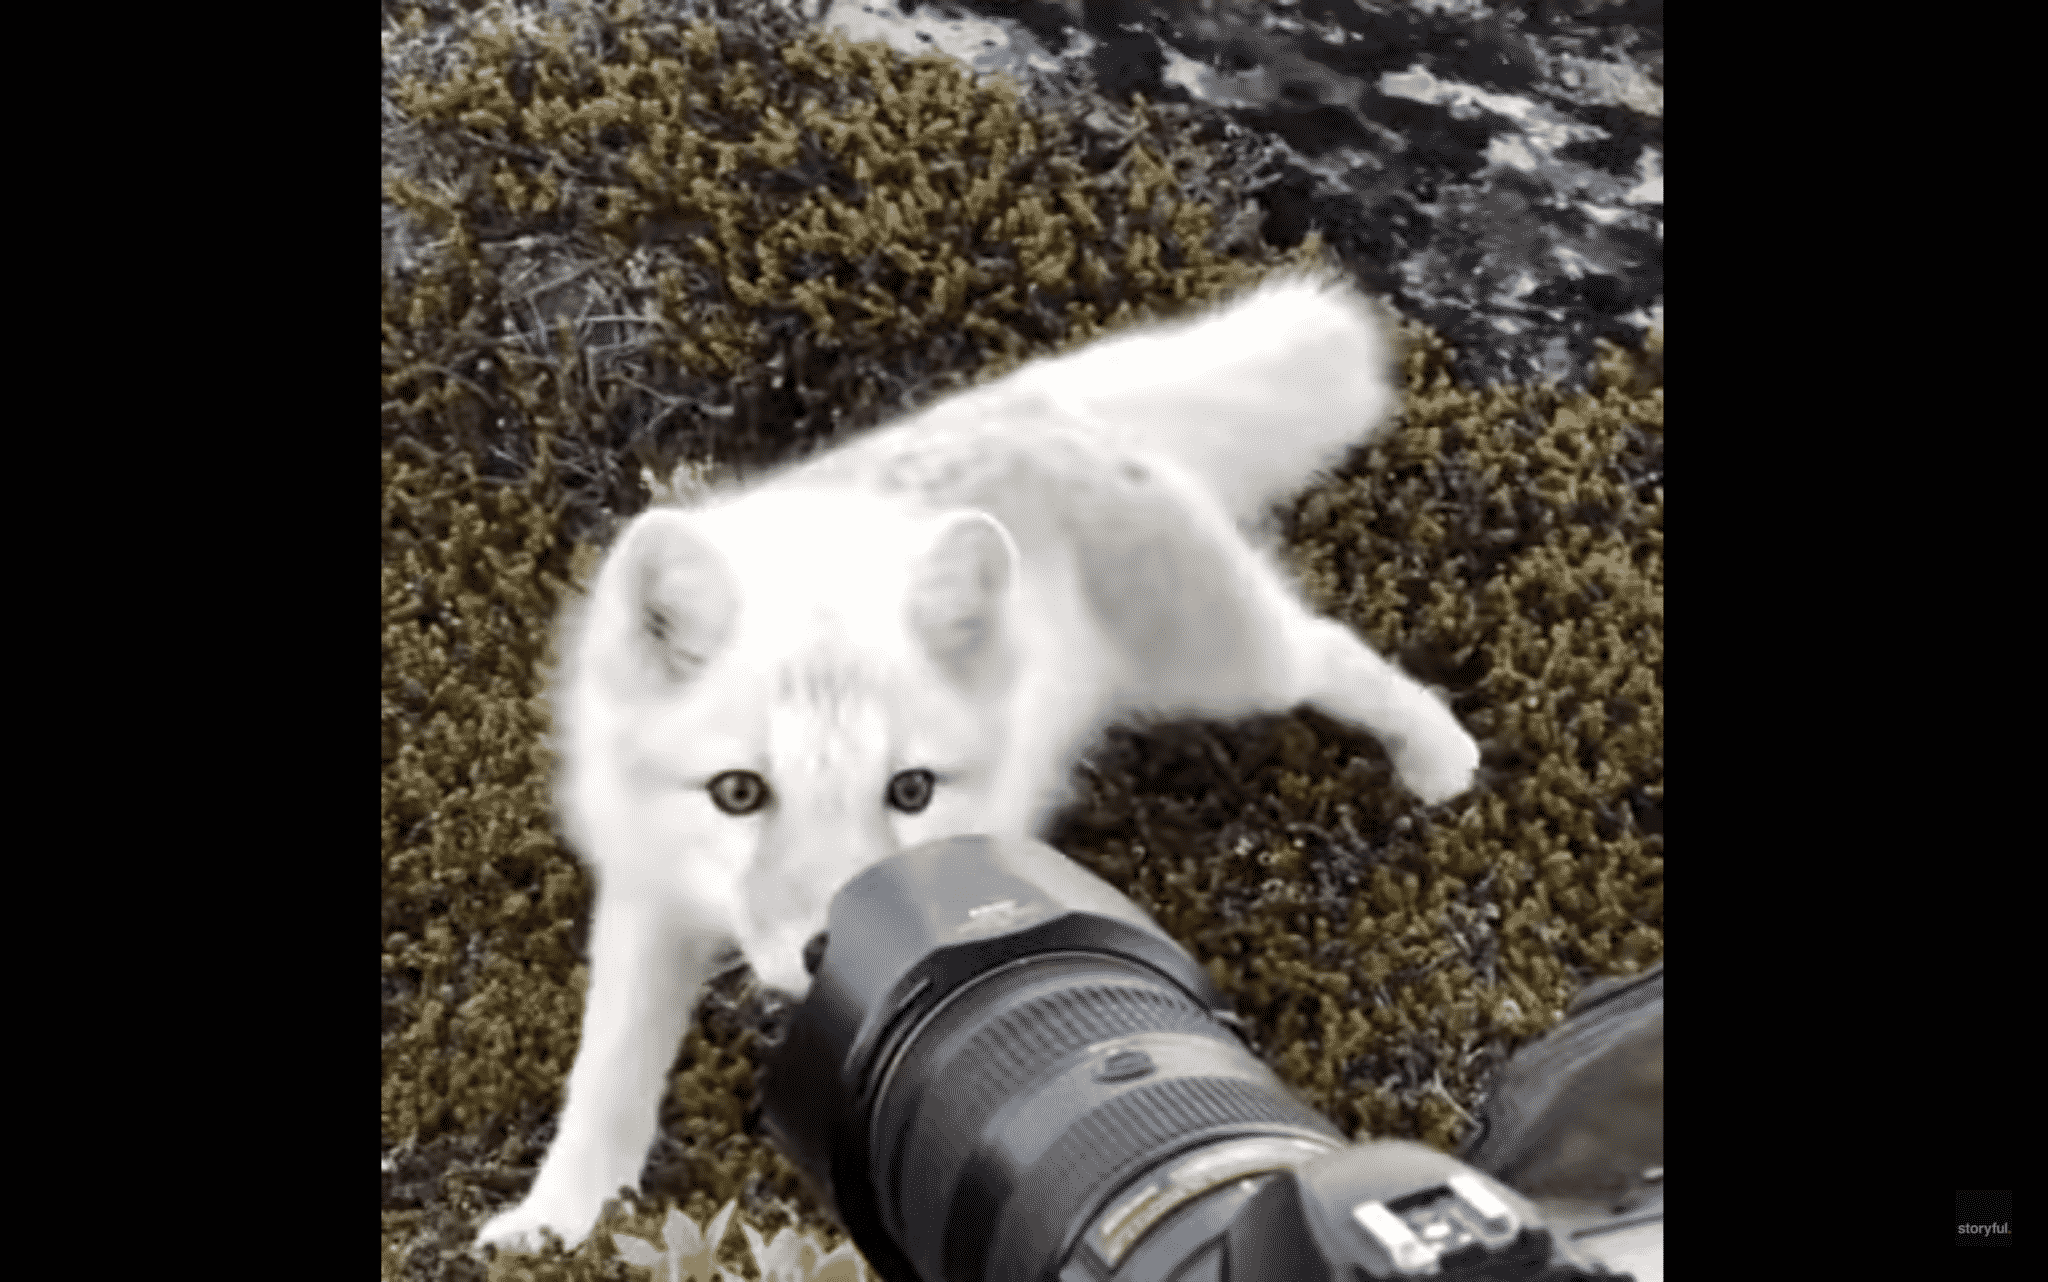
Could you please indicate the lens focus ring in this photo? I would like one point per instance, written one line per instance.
(973, 1057)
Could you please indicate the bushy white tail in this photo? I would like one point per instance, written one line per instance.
(1254, 398)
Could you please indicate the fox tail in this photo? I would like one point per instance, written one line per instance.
(1254, 398)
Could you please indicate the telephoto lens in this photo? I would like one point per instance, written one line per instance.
(1004, 1071)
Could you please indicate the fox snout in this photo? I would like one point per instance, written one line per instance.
(789, 892)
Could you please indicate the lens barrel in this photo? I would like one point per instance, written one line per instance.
(997, 1052)
(1041, 1089)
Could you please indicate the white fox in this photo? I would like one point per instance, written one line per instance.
(914, 636)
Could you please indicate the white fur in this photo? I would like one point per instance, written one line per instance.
(977, 590)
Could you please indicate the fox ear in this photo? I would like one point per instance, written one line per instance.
(957, 590)
(680, 596)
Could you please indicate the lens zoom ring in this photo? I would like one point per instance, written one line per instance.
(1016, 1049)
(1020, 1045)
(1137, 1123)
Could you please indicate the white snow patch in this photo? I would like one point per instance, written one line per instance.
(1649, 188)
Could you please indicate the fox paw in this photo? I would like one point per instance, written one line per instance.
(524, 1228)
(1439, 767)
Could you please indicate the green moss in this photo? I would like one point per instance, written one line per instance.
(666, 240)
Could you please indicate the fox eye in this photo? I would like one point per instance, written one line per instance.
(911, 791)
(738, 792)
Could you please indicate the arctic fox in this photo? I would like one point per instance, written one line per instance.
(914, 636)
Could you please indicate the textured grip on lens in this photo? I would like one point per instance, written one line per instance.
(1020, 1045)
(1014, 1050)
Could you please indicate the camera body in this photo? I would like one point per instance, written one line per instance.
(1006, 1072)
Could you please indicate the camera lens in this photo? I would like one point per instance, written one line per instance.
(1004, 1070)
(1018, 1108)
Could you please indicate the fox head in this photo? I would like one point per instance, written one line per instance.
(772, 694)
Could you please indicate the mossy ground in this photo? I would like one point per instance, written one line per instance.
(616, 241)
